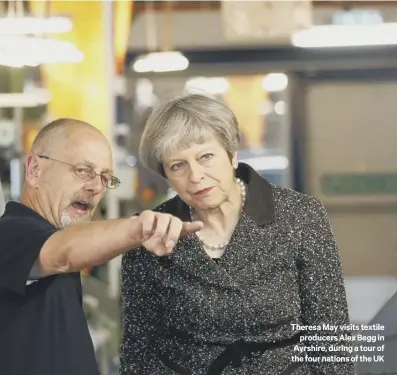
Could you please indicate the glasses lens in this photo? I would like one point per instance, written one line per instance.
(110, 182)
(85, 172)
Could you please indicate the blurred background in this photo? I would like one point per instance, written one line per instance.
(313, 85)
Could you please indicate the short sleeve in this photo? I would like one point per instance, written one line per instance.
(21, 239)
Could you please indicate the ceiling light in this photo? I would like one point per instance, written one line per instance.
(346, 36)
(280, 107)
(34, 25)
(19, 51)
(161, 62)
(275, 82)
(26, 99)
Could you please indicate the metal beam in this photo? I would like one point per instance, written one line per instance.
(141, 6)
(287, 59)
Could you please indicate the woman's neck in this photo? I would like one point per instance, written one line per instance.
(223, 218)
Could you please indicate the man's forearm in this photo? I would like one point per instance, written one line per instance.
(88, 244)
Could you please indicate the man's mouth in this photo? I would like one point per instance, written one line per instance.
(82, 207)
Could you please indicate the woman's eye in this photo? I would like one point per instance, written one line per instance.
(176, 166)
(207, 156)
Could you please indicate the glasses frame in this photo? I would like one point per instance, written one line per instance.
(94, 174)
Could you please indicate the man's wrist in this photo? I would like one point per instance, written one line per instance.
(134, 231)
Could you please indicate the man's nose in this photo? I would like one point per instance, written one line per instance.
(95, 186)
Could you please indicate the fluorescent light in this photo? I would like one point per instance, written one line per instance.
(346, 36)
(19, 51)
(161, 62)
(275, 82)
(210, 85)
(27, 99)
(280, 107)
(263, 163)
(34, 25)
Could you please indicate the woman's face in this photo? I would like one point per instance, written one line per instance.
(203, 174)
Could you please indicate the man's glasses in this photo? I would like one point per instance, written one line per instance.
(86, 173)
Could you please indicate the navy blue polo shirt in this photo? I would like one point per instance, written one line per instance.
(43, 329)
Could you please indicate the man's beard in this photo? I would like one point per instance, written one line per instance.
(78, 199)
(67, 220)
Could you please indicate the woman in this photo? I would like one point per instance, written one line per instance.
(225, 301)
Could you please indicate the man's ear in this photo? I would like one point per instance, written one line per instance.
(32, 171)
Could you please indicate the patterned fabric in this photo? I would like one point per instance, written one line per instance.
(186, 314)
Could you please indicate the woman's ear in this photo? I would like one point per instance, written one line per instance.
(234, 160)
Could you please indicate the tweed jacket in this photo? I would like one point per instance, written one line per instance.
(186, 314)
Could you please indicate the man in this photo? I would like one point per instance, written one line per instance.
(48, 238)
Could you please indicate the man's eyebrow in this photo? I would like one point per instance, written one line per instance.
(107, 170)
(93, 166)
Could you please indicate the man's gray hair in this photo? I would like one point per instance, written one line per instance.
(184, 121)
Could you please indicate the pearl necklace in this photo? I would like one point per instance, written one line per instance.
(221, 246)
